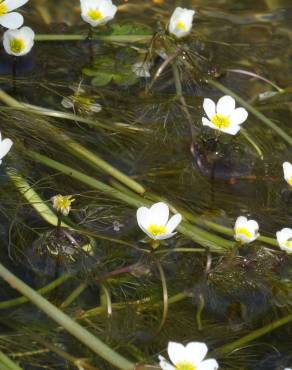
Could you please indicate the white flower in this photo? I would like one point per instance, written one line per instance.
(189, 357)
(154, 221)
(284, 238)
(62, 203)
(5, 146)
(180, 23)
(18, 42)
(97, 12)
(11, 20)
(287, 168)
(141, 69)
(224, 116)
(246, 231)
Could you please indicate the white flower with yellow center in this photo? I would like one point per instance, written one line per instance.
(154, 221)
(224, 116)
(5, 146)
(287, 168)
(97, 12)
(246, 231)
(180, 24)
(284, 238)
(8, 18)
(62, 203)
(189, 357)
(18, 42)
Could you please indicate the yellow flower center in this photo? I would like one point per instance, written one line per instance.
(3, 9)
(220, 120)
(17, 45)
(94, 14)
(63, 203)
(156, 230)
(181, 26)
(185, 365)
(243, 231)
(288, 243)
(290, 181)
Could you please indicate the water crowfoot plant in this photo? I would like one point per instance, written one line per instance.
(284, 238)
(189, 357)
(246, 231)
(180, 24)
(18, 42)
(5, 146)
(97, 12)
(8, 18)
(223, 116)
(287, 169)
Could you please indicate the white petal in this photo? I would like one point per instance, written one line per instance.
(231, 130)
(210, 364)
(287, 168)
(196, 352)
(209, 107)
(14, 4)
(5, 146)
(173, 222)
(284, 235)
(27, 32)
(241, 221)
(238, 116)
(164, 236)
(11, 20)
(225, 105)
(176, 352)
(143, 217)
(252, 226)
(165, 365)
(159, 214)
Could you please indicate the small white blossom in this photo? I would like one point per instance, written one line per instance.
(8, 18)
(224, 116)
(246, 231)
(287, 168)
(155, 223)
(62, 203)
(284, 238)
(18, 42)
(180, 24)
(189, 357)
(142, 69)
(97, 12)
(5, 146)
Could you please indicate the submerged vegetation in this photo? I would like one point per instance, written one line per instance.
(139, 143)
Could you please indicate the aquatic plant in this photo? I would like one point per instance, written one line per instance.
(5, 146)
(284, 238)
(181, 21)
(9, 18)
(97, 12)
(246, 231)
(287, 169)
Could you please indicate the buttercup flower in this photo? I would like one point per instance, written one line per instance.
(189, 357)
(284, 238)
(62, 203)
(224, 116)
(154, 221)
(8, 18)
(97, 12)
(5, 146)
(180, 23)
(18, 42)
(287, 168)
(141, 69)
(246, 231)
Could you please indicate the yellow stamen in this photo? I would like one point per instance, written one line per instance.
(181, 26)
(3, 9)
(62, 203)
(17, 45)
(290, 181)
(288, 243)
(156, 230)
(185, 365)
(94, 14)
(221, 121)
(243, 231)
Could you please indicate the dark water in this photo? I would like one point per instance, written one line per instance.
(143, 130)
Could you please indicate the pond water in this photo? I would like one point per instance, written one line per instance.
(84, 124)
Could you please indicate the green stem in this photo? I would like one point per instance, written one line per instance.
(84, 336)
(252, 110)
(44, 290)
(109, 38)
(227, 348)
(7, 364)
(75, 294)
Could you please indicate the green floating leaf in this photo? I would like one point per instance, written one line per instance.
(130, 29)
(101, 79)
